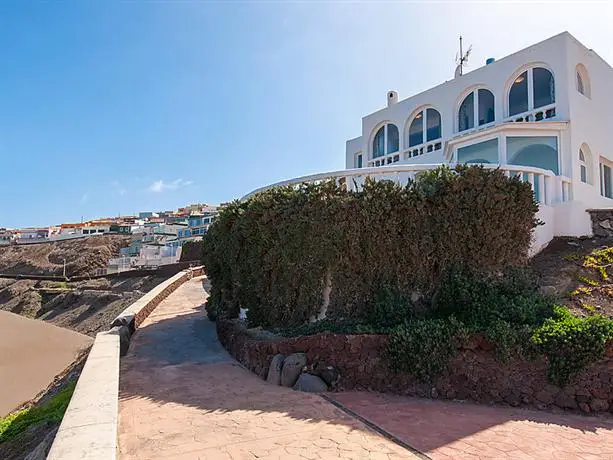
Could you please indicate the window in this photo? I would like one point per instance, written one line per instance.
(378, 144)
(482, 152)
(416, 130)
(518, 96)
(425, 127)
(433, 130)
(583, 81)
(582, 167)
(536, 151)
(477, 105)
(393, 139)
(358, 162)
(543, 87)
(606, 187)
(466, 114)
(486, 106)
(387, 135)
(532, 89)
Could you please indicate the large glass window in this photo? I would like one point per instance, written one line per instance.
(486, 106)
(466, 114)
(518, 96)
(393, 139)
(539, 152)
(543, 87)
(378, 143)
(416, 130)
(433, 131)
(483, 152)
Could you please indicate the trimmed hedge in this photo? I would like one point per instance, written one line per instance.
(274, 252)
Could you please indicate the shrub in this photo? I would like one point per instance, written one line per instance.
(423, 348)
(571, 343)
(271, 253)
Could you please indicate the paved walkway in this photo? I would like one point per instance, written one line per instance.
(183, 397)
(447, 430)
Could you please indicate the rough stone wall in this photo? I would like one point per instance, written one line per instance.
(602, 222)
(474, 372)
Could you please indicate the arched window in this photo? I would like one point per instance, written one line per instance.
(477, 105)
(427, 130)
(518, 96)
(532, 89)
(543, 87)
(378, 143)
(433, 130)
(486, 106)
(393, 139)
(416, 130)
(583, 81)
(386, 140)
(585, 164)
(466, 114)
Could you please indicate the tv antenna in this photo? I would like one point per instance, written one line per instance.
(462, 59)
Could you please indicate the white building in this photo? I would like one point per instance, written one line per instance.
(542, 113)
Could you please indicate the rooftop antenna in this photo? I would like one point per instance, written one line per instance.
(461, 59)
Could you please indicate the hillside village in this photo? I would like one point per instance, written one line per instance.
(155, 238)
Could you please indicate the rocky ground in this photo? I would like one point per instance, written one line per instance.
(87, 307)
(565, 271)
(83, 256)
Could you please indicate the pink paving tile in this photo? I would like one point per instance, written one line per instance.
(461, 431)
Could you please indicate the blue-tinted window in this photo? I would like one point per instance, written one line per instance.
(466, 114)
(543, 87)
(486, 106)
(416, 130)
(482, 152)
(393, 138)
(378, 143)
(537, 151)
(433, 120)
(518, 95)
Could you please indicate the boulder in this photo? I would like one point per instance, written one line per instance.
(599, 405)
(292, 367)
(310, 383)
(328, 374)
(274, 371)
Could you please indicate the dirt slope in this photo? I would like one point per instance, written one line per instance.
(82, 255)
(85, 306)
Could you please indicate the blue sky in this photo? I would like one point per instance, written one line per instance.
(118, 107)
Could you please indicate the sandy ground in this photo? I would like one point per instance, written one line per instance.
(32, 353)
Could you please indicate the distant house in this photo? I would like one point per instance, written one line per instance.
(6, 236)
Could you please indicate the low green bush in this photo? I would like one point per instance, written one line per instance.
(571, 343)
(423, 347)
(52, 411)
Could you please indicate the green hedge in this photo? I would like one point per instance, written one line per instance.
(271, 253)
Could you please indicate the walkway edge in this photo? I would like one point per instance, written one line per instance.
(375, 427)
(89, 426)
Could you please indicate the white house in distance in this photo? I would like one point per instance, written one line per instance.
(542, 113)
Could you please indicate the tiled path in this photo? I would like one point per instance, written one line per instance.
(183, 397)
(445, 430)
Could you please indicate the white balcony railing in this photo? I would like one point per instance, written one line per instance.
(547, 112)
(548, 188)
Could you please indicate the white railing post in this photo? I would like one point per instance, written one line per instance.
(542, 191)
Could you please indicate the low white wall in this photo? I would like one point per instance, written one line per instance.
(89, 427)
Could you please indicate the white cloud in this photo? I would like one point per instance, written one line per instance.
(159, 185)
(119, 189)
(84, 198)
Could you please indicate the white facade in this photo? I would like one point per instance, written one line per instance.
(542, 114)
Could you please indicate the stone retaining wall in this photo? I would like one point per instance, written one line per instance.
(602, 222)
(474, 372)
